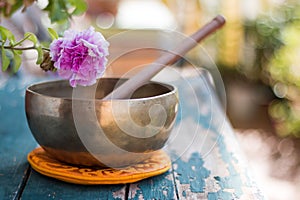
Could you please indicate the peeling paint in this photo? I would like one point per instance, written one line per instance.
(192, 172)
(158, 187)
(194, 178)
(184, 193)
(133, 189)
(119, 194)
(231, 181)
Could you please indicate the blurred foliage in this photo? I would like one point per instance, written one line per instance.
(62, 10)
(284, 71)
(8, 7)
(59, 11)
(286, 117)
(273, 38)
(264, 34)
(284, 65)
(267, 49)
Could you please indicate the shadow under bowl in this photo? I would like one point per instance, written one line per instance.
(75, 126)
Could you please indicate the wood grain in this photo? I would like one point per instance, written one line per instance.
(158, 187)
(207, 162)
(16, 140)
(43, 187)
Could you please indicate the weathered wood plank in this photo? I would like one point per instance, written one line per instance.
(16, 140)
(43, 187)
(190, 177)
(207, 161)
(158, 187)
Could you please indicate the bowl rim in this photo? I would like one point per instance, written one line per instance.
(173, 90)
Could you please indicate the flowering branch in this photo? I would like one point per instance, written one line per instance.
(77, 56)
(58, 11)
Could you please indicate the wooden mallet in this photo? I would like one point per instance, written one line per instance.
(125, 90)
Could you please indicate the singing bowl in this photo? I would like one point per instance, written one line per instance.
(77, 127)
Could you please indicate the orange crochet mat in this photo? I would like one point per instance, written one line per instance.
(46, 165)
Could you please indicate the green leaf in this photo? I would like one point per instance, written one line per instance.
(16, 61)
(40, 55)
(57, 11)
(2, 33)
(7, 34)
(31, 37)
(18, 51)
(79, 5)
(52, 33)
(5, 59)
(61, 11)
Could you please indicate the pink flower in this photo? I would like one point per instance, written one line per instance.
(80, 56)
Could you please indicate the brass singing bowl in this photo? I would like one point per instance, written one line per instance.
(82, 129)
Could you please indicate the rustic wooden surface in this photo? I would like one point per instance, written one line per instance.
(207, 162)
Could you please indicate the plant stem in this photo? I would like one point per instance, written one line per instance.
(24, 48)
(20, 42)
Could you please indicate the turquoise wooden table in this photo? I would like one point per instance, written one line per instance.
(206, 160)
